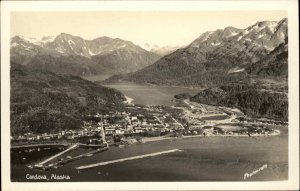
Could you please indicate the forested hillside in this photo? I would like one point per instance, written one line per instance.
(253, 100)
(47, 102)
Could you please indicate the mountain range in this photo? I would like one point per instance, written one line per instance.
(240, 68)
(222, 56)
(68, 54)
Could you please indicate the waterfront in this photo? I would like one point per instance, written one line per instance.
(203, 159)
(243, 145)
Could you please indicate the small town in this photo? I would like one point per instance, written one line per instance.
(141, 122)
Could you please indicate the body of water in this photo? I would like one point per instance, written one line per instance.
(202, 159)
(151, 95)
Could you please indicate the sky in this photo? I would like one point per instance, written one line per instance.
(161, 28)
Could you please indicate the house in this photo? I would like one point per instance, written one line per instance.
(129, 127)
(46, 137)
(128, 131)
(120, 131)
(135, 123)
(110, 130)
(94, 141)
(21, 137)
(145, 128)
(138, 130)
(30, 138)
(133, 118)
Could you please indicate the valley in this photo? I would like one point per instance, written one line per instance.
(107, 109)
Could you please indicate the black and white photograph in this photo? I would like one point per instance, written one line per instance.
(145, 94)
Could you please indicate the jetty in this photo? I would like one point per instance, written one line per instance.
(59, 154)
(126, 159)
(82, 156)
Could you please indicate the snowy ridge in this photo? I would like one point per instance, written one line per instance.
(265, 34)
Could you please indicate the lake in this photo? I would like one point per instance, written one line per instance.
(151, 95)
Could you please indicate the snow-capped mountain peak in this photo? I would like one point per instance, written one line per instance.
(35, 41)
(148, 46)
(160, 50)
(46, 39)
(265, 34)
(70, 54)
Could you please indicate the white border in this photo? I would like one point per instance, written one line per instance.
(290, 6)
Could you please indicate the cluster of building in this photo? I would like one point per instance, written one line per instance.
(113, 123)
(210, 121)
(144, 120)
(130, 123)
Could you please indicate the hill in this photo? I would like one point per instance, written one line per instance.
(46, 102)
(253, 100)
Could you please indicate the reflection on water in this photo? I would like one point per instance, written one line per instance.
(151, 95)
(32, 155)
(202, 159)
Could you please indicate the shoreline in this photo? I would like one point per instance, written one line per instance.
(150, 85)
(161, 138)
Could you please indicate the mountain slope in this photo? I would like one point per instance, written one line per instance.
(122, 61)
(165, 50)
(68, 54)
(21, 50)
(216, 57)
(66, 44)
(47, 102)
(275, 64)
(73, 64)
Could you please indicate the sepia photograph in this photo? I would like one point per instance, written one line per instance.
(147, 94)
